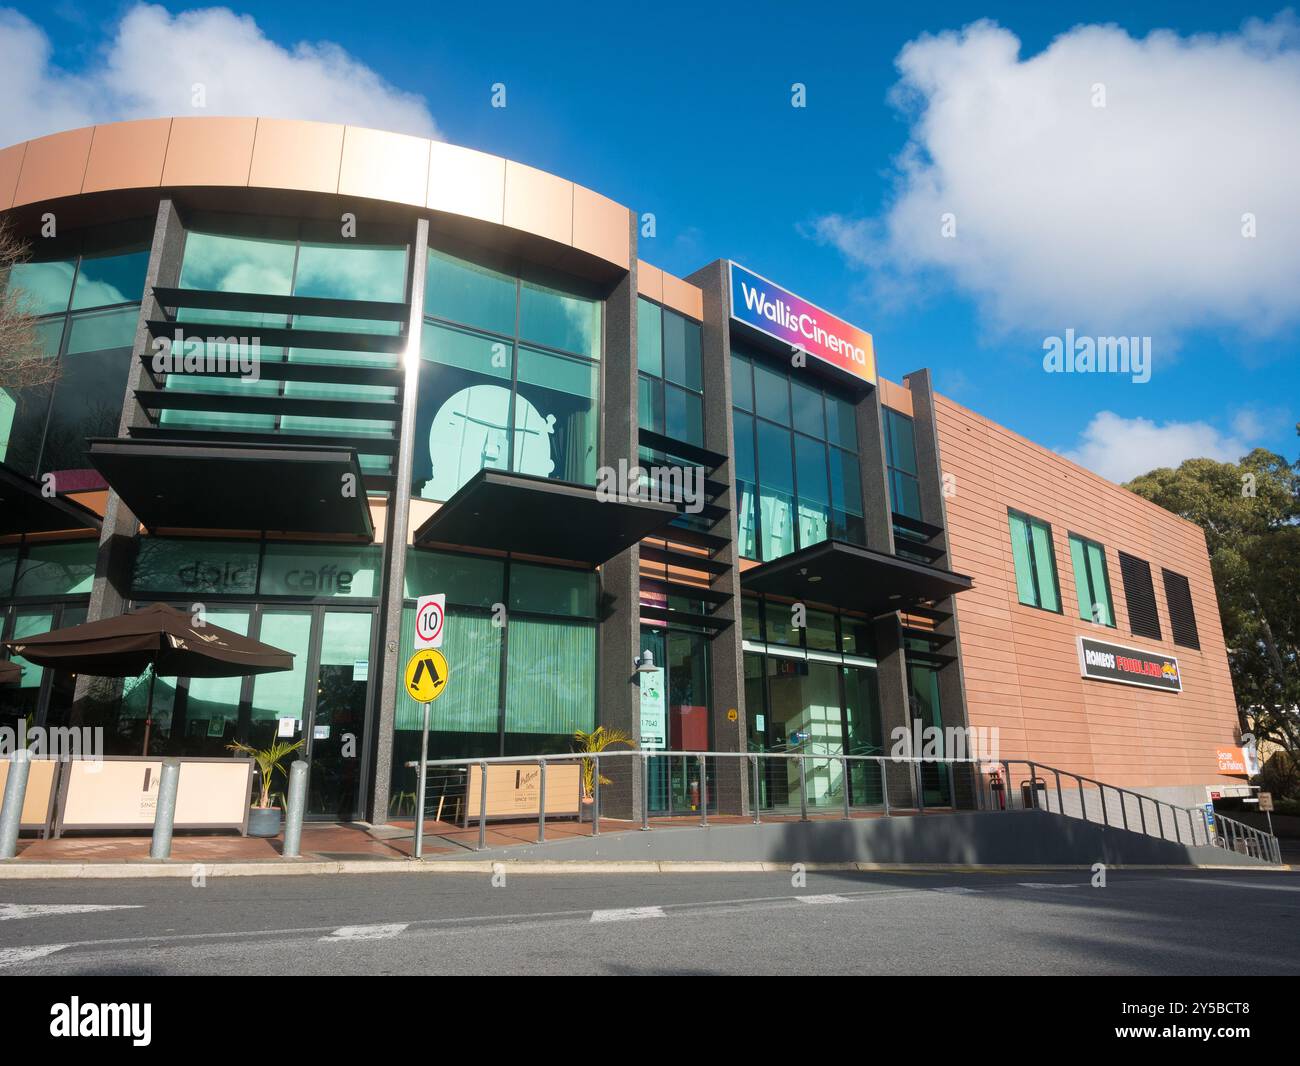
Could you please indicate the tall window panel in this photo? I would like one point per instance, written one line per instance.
(670, 378)
(1035, 562)
(900, 458)
(798, 481)
(510, 378)
(84, 291)
(1091, 581)
(1182, 615)
(1140, 596)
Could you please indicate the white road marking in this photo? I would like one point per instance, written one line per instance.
(1214, 883)
(367, 932)
(627, 914)
(1046, 884)
(40, 910)
(828, 897)
(13, 956)
(957, 890)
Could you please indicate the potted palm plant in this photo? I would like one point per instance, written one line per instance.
(264, 817)
(598, 740)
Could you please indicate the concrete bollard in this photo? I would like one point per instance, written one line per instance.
(296, 806)
(165, 813)
(11, 813)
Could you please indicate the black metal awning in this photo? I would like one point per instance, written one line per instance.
(853, 579)
(531, 515)
(183, 484)
(24, 509)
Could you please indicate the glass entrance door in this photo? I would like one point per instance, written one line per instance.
(339, 717)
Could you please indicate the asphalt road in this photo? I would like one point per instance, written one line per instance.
(745, 923)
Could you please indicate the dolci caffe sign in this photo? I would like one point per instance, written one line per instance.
(1129, 666)
(788, 318)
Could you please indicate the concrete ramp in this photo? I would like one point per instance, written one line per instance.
(968, 838)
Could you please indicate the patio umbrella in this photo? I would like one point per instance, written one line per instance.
(10, 673)
(158, 638)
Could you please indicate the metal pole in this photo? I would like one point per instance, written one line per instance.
(952, 786)
(11, 813)
(541, 801)
(165, 813)
(595, 799)
(758, 795)
(1160, 820)
(645, 791)
(704, 788)
(420, 788)
(884, 781)
(148, 713)
(920, 786)
(482, 806)
(1033, 791)
(1060, 799)
(803, 791)
(296, 805)
(844, 779)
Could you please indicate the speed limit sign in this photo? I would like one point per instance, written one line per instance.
(430, 617)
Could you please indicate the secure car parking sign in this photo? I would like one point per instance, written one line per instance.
(430, 616)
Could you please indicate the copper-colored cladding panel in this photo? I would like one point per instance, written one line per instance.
(896, 396)
(96, 500)
(296, 155)
(1021, 664)
(127, 155)
(11, 164)
(683, 297)
(465, 182)
(649, 281)
(54, 166)
(385, 166)
(601, 227)
(537, 202)
(209, 151)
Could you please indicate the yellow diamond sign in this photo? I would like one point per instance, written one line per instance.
(426, 675)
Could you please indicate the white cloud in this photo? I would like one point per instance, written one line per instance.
(150, 65)
(1122, 219)
(1120, 448)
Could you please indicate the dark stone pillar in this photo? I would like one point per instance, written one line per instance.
(895, 706)
(726, 667)
(391, 654)
(875, 480)
(620, 582)
(111, 589)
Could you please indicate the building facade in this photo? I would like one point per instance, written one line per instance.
(310, 373)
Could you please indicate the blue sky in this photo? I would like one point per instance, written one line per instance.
(1126, 228)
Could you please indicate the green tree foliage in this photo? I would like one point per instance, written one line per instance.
(1250, 512)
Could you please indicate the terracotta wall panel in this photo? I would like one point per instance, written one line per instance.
(896, 396)
(296, 155)
(127, 155)
(11, 165)
(210, 151)
(601, 227)
(683, 297)
(1021, 663)
(465, 182)
(385, 166)
(54, 166)
(537, 202)
(649, 281)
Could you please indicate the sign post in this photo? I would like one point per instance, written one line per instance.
(1266, 805)
(426, 678)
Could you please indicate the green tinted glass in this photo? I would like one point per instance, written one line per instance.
(548, 590)
(468, 293)
(64, 569)
(649, 338)
(559, 320)
(237, 264)
(110, 279)
(45, 287)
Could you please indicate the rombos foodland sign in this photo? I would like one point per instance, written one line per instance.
(792, 320)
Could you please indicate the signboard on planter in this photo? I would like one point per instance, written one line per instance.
(654, 721)
(770, 309)
(121, 792)
(1101, 661)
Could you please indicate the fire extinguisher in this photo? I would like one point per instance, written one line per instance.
(695, 795)
(999, 791)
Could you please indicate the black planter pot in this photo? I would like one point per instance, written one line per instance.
(263, 821)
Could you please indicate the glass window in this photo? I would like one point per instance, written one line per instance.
(281, 694)
(742, 382)
(807, 409)
(468, 293)
(208, 718)
(683, 415)
(776, 490)
(682, 351)
(164, 565)
(551, 590)
(57, 569)
(649, 337)
(349, 271)
(46, 287)
(555, 421)
(900, 441)
(1091, 581)
(650, 403)
(841, 423)
(320, 570)
(821, 631)
(472, 644)
(771, 394)
(559, 320)
(1035, 562)
(100, 330)
(238, 264)
(550, 681)
(467, 580)
(814, 493)
(103, 280)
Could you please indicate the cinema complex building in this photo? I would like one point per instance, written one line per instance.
(450, 354)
